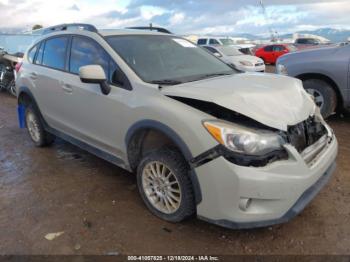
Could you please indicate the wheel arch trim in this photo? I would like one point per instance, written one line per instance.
(328, 79)
(175, 138)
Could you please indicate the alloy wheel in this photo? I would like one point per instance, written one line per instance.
(319, 99)
(33, 126)
(161, 187)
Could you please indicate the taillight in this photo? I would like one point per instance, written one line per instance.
(18, 66)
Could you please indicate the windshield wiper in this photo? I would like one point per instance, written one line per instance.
(212, 75)
(169, 82)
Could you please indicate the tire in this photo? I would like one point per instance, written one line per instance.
(181, 205)
(12, 88)
(35, 127)
(325, 96)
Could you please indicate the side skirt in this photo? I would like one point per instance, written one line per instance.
(95, 151)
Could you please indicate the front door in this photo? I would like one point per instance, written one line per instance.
(94, 118)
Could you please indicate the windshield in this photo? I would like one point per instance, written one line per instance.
(230, 51)
(167, 59)
(227, 41)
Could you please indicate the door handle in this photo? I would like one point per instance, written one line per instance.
(67, 88)
(33, 76)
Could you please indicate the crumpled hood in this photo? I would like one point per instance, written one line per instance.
(273, 100)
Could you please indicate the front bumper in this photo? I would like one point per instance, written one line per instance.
(277, 192)
(253, 69)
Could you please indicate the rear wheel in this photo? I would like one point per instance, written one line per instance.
(324, 94)
(165, 186)
(35, 128)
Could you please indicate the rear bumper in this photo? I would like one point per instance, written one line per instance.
(299, 206)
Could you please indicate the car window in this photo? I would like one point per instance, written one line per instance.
(268, 48)
(39, 56)
(278, 48)
(214, 42)
(227, 41)
(55, 52)
(31, 53)
(202, 41)
(210, 49)
(84, 52)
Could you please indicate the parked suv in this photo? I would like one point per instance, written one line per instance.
(238, 150)
(325, 75)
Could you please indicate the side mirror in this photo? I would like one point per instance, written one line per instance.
(217, 54)
(94, 74)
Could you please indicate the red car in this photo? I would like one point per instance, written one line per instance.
(271, 53)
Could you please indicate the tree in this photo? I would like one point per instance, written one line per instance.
(35, 27)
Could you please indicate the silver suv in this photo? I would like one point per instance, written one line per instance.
(239, 150)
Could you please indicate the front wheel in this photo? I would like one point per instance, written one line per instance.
(165, 186)
(324, 95)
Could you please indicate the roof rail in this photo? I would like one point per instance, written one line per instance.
(151, 28)
(66, 27)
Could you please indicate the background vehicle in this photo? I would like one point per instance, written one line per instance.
(325, 75)
(193, 129)
(232, 56)
(308, 43)
(8, 70)
(271, 53)
(215, 41)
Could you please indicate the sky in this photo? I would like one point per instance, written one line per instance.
(182, 16)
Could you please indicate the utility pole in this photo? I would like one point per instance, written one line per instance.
(273, 33)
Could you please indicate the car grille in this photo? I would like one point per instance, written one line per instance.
(259, 64)
(305, 133)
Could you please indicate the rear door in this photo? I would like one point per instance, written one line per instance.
(278, 50)
(47, 73)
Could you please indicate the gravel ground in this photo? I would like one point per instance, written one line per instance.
(96, 205)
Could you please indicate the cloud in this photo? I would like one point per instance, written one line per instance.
(176, 19)
(181, 16)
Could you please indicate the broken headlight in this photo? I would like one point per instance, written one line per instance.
(245, 140)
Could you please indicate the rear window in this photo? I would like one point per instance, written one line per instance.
(202, 41)
(214, 42)
(55, 52)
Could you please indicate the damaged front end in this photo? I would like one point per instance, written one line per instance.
(246, 142)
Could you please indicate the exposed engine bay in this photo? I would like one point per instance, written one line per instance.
(301, 135)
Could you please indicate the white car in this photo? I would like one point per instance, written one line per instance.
(232, 56)
(239, 150)
(215, 41)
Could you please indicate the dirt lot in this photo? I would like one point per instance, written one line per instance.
(62, 188)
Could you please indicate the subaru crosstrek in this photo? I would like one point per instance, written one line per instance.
(236, 149)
